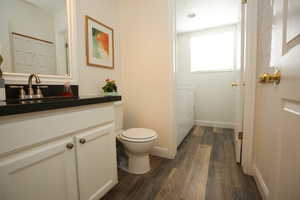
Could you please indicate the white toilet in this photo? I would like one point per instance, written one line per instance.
(138, 142)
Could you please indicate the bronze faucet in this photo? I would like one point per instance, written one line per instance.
(30, 89)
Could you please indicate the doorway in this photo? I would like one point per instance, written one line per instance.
(210, 67)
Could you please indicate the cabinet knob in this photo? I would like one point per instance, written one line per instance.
(82, 141)
(70, 146)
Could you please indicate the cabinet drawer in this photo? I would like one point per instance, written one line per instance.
(22, 131)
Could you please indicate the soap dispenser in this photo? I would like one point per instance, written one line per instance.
(67, 90)
(2, 82)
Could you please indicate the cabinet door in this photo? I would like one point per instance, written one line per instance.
(97, 165)
(47, 172)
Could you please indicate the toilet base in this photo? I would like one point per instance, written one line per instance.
(138, 164)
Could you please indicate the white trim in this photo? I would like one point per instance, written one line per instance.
(250, 85)
(216, 124)
(172, 151)
(262, 187)
(21, 78)
(212, 71)
(160, 152)
(208, 29)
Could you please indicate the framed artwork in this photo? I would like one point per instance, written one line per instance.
(99, 44)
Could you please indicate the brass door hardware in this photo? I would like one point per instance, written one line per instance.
(235, 84)
(270, 78)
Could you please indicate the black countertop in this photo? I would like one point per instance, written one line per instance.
(15, 106)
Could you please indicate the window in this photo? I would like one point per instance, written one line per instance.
(213, 51)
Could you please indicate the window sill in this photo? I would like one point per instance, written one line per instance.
(212, 71)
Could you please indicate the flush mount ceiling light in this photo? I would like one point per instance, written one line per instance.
(191, 15)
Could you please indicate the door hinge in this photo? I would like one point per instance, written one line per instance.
(244, 1)
(241, 135)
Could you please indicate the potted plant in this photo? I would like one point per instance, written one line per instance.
(110, 88)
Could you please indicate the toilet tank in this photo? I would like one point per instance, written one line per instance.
(118, 107)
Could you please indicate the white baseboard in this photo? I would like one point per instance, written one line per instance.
(160, 152)
(216, 124)
(262, 187)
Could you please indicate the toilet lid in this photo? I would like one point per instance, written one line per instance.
(139, 134)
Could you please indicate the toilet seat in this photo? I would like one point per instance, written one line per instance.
(138, 135)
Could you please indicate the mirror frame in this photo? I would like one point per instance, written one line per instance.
(22, 78)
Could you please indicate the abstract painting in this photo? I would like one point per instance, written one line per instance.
(99, 44)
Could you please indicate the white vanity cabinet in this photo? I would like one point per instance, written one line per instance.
(47, 172)
(96, 157)
(74, 159)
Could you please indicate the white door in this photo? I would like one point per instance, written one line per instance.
(238, 84)
(286, 57)
(97, 162)
(47, 172)
(278, 113)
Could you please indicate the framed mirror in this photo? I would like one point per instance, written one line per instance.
(36, 37)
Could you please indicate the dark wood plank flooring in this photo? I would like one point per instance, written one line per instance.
(204, 169)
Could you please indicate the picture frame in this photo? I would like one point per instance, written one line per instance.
(99, 44)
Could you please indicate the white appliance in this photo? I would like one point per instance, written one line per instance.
(184, 112)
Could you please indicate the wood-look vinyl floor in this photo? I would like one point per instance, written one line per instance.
(204, 169)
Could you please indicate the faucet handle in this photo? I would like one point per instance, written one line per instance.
(22, 93)
(39, 93)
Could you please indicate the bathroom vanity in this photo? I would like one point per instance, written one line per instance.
(62, 149)
(51, 148)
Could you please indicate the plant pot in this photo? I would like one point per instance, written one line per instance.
(110, 93)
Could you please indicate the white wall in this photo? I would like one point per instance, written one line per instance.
(91, 79)
(214, 97)
(147, 60)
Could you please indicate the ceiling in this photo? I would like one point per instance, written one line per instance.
(209, 13)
